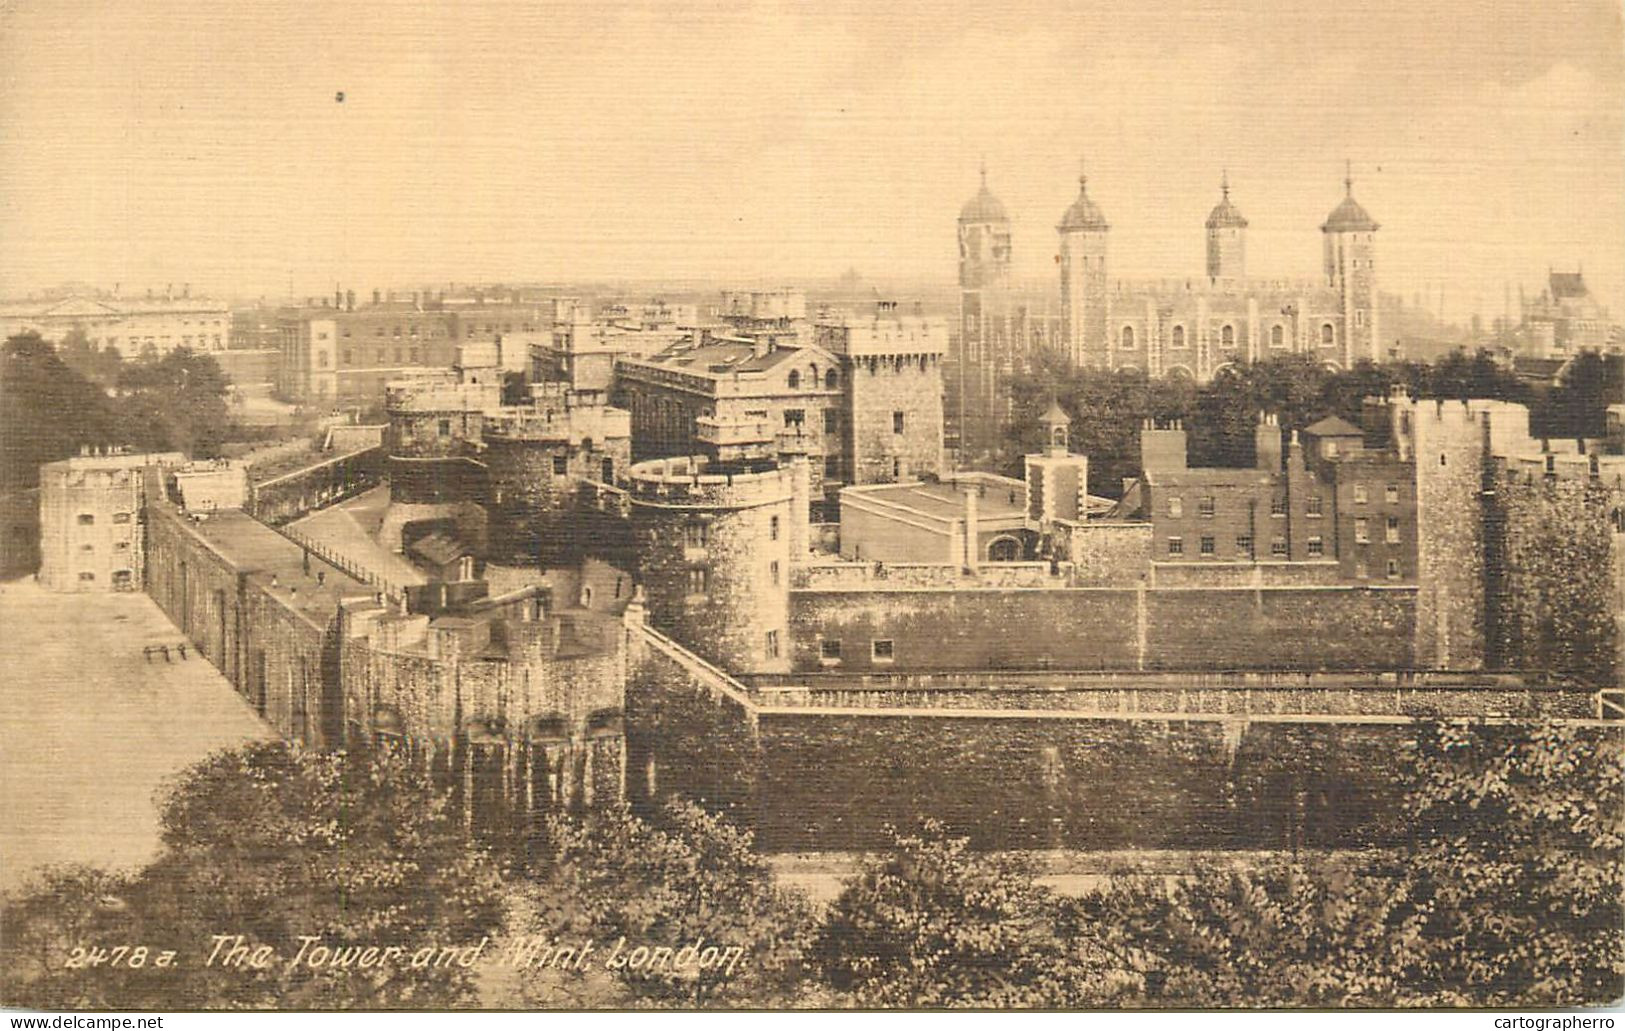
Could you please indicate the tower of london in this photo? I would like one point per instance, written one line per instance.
(1189, 326)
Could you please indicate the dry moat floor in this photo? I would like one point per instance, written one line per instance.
(92, 727)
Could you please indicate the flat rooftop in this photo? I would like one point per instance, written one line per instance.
(946, 500)
(254, 548)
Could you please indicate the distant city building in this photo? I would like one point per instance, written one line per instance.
(1565, 319)
(335, 352)
(135, 326)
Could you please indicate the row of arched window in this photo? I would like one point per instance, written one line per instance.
(1227, 336)
(832, 379)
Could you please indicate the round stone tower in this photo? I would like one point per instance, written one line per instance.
(536, 461)
(715, 545)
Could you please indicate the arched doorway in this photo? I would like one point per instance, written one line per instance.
(1004, 549)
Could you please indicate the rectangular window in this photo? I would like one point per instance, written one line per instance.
(1360, 572)
(794, 417)
(1359, 494)
(832, 420)
(445, 427)
(1205, 507)
(87, 576)
(1278, 547)
(1176, 508)
(1317, 547)
(829, 649)
(1393, 569)
(561, 465)
(1362, 532)
(897, 422)
(696, 581)
(773, 528)
(1207, 546)
(772, 644)
(832, 467)
(1244, 544)
(773, 572)
(1392, 535)
(1312, 506)
(86, 519)
(1176, 545)
(694, 535)
(349, 357)
(1278, 507)
(121, 517)
(882, 651)
(1390, 494)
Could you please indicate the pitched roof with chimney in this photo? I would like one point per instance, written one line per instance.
(1332, 426)
(1568, 284)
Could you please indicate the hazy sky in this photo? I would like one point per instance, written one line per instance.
(154, 142)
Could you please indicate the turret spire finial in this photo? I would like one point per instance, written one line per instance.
(984, 171)
(1224, 183)
(1083, 174)
(1348, 177)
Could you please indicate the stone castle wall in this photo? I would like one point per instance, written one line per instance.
(1028, 768)
(1557, 593)
(280, 661)
(1106, 628)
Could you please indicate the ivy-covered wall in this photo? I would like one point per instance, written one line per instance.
(1557, 593)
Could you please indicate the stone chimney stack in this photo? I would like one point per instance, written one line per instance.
(1267, 443)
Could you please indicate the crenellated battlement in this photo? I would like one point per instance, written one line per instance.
(572, 425)
(695, 481)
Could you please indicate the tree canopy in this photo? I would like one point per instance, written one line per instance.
(288, 849)
(1107, 409)
(55, 401)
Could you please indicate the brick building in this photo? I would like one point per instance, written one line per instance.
(1328, 501)
(335, 352)
(92, 516)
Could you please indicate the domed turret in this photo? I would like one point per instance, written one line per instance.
(1350, 236)
(1349, 217)
(984, 242)
(1084, 215)
(984, 207)
(1082, 260)
(1226, 215)
(1226, 237)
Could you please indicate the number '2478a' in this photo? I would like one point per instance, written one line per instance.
(132, 956)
